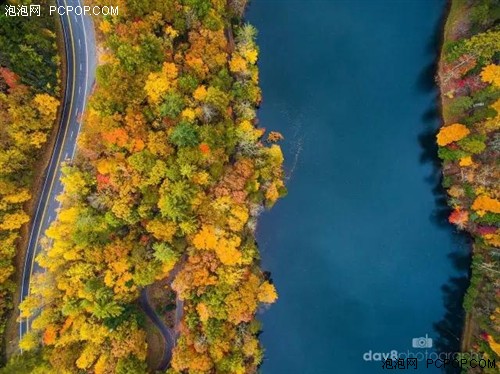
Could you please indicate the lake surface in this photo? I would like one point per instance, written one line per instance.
(360, 250)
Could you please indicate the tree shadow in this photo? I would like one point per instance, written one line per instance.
(426, 82)
(449, 328)
(429, 155)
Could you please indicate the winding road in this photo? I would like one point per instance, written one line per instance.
(79, 41)
(169, 334)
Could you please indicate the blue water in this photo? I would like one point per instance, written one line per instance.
(360, 249)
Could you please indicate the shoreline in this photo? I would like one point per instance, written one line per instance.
(460, 77)
(465, 332)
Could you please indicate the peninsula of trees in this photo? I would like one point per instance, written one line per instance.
(171, 171)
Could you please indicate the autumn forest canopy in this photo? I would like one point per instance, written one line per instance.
(171, 173)
(469, 146)
(29, 100)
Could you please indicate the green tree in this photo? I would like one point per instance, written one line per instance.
(107, 309)
(473, 144)
(485, 13)
(187, 83)
(484, 45)
(200, 7)
(165, 253)
(459, 106)
(172, 106)
(447, 154)
(143, 161)
(185, 134)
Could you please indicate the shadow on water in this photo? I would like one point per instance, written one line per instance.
(449, 329)
(429, 151)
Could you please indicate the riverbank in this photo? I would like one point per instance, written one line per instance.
(454, 11)
(469, 100)
(169, 163)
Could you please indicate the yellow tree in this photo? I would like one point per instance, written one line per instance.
(491, 74)
(47, 106)
(267, 293)
(14, 221)
(159, 83)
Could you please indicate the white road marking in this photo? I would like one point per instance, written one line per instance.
(71, 134)
(79, 42)
(31, 237)
(79, 89)
(32, 241)
(80, 66)
(86, 76)
(66, 156)
(50, 218)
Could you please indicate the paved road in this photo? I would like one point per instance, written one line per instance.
(79, 40)
(168, 337)
(169, 334)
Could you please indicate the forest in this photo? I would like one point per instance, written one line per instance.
(172, 172)
(29, 100)
(469, 146)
